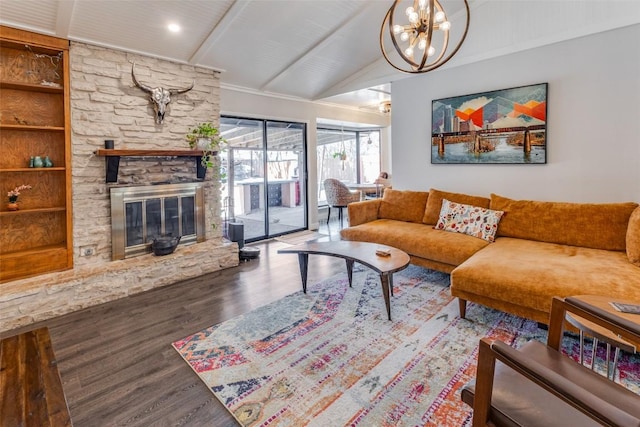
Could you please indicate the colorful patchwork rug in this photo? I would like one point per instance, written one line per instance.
(331, 357)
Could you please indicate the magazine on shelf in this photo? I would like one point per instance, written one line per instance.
(626, 308)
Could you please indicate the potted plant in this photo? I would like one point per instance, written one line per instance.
(13, 197)
(342, 155)
(206, 137)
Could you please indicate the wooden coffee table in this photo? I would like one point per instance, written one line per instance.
(362, 252)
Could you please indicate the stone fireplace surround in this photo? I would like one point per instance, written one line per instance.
(105, 104)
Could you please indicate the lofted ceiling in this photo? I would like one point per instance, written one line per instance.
(309, 49)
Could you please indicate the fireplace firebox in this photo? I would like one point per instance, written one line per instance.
(140, 214)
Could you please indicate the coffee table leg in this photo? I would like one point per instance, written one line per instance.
(350, 270)
(391, 283)
(384, 280)
(303, 260)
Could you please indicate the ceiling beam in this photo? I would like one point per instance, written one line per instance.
(331, 34)
(63, 18)
(218, 30)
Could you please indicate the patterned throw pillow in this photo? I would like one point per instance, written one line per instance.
(467, 219)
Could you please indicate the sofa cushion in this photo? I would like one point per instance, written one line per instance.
(434, 203)
(590, 225)
(417, 240)
(633, 237)
(524, 273)
(403, 205)
(467, 219)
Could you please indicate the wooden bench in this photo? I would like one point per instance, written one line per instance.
(30, 387)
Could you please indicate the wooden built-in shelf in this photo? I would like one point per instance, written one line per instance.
(113, 159)
(32, 211)
(36, 250)
(36, 120)
(55, 168)
(31, 127)
(31, 87)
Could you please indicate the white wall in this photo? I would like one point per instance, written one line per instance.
(593, 122)
(245, 104)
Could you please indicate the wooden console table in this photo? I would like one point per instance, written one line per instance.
(30, 387)
(113, 159)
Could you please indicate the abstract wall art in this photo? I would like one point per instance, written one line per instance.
(507, 126)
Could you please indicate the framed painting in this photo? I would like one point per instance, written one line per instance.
(507, 126)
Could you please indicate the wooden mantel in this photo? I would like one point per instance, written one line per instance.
(113, 159)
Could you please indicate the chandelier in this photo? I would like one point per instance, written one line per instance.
(423, 41)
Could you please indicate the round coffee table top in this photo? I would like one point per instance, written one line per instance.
(362, 252)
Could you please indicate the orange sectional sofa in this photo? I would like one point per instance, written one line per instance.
(541, 249)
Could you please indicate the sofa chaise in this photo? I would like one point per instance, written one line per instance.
(540, 249)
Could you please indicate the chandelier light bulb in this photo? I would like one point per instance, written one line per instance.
(414, 17)
(440, 16)
(409, 51)
(404, 37)
(431, 51)
(422, 44)
(397, 29)
(422, 4)
(445, 26)
(409, 11)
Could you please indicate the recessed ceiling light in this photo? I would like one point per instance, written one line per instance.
(174, 28)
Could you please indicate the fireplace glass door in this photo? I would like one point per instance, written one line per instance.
(140, 214)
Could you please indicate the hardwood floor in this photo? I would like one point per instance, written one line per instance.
(116, 361)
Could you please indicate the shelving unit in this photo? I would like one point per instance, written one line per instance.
(113, 159)
(35, 121)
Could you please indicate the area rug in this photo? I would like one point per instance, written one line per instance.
(331, 357)
(300, 237)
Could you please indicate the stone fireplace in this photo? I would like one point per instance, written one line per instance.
(105, 104)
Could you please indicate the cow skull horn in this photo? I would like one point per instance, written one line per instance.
(159, 96)
(179, 91)
(145, 88)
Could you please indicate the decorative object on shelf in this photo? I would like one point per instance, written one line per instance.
(31, 162)
(47, 162)
(207, 138)
(160, 97)
(108, 144)
(13, 196)
(37, 162)
(384, 107)
(427, 31)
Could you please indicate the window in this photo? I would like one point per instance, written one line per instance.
(352, 156)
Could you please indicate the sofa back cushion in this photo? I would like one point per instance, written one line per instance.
(403, 205)
(589, 225)
(633, 238)
(434, 203)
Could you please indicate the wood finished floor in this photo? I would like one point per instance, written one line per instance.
(116, 361)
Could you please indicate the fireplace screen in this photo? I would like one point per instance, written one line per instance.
(140, 214)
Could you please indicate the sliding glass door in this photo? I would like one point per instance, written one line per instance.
(265, 176)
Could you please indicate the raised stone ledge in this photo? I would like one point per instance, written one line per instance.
(30, 300)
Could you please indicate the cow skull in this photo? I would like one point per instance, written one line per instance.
(159, 96)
